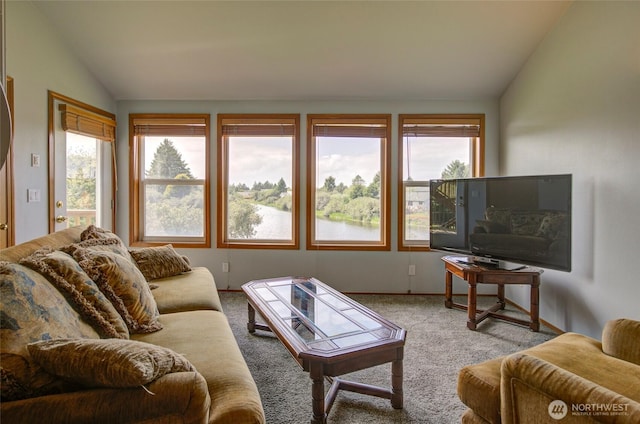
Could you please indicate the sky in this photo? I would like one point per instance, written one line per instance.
(258, 159)
(431, 155)
(191, 149)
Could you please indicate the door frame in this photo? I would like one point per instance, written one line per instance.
(9, 197)
(52, 97)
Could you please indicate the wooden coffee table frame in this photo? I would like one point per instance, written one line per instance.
(476, 274)
(329, 365)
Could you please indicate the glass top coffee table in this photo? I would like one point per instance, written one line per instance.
(329, 335)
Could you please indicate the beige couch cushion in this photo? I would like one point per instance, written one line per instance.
(107, 362)
(479, 389)
(195, 290)
(583, 356)
(621, 339)
(206, 340)
(59, 238)
(180, 397)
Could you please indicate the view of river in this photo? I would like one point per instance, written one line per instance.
(276, 225)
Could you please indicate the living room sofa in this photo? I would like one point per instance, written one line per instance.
(569, 379)
(68, 358)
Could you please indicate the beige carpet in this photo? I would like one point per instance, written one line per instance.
(438, 344)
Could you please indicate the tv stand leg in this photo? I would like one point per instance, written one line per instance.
(448, 295)
(471, 303)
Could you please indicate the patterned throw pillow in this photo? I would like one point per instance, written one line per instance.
(107, 362)
(81, 292)
(96, 233)
(124, 285)
(526, 223)
(499, 215)
(32, 310)
(107, 244)
(159, 262)
(552, 226)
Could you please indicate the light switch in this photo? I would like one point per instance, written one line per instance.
(33, 195)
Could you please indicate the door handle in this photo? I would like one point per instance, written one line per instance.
(4, 227)
(60, 219)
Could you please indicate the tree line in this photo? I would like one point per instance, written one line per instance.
(178, 209)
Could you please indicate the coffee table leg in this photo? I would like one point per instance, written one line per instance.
(501, 296)
(397, 398)
(317, 394)
(251, 324)
(535, 300)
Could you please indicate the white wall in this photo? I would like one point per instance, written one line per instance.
(575, 108)
(346, 271)
(38, 60)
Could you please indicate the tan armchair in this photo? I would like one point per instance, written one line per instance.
(571, 378)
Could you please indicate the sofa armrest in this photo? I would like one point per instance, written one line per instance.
(174, 398)
(529, 385)
(621, 339)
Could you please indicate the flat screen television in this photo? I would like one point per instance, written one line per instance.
(504, 221)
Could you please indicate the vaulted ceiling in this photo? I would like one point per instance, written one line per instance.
(303, 50)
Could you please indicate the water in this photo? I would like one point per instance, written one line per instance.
(341, 230)
(276, 225)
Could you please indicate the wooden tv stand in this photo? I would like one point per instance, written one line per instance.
(474, 274)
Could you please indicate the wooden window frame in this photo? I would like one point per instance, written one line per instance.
(384, 244)
(164, 122)
(83, 119)
(451, 120)
(262, 122)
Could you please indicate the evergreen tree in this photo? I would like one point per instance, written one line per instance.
(281, 187)
(329, 184)
(357, 188)
(168, 163)
(374, 188)
(456, 169)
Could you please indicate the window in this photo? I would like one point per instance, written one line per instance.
(169, 184)
(82, 164)
(432, 147)
(258, 181)
(348, 196)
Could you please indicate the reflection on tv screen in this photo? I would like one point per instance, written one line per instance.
(519, 219)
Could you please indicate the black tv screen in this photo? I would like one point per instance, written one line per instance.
(503, 221)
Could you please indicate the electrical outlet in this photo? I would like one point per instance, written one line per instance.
(225, 266)
(412, 270)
